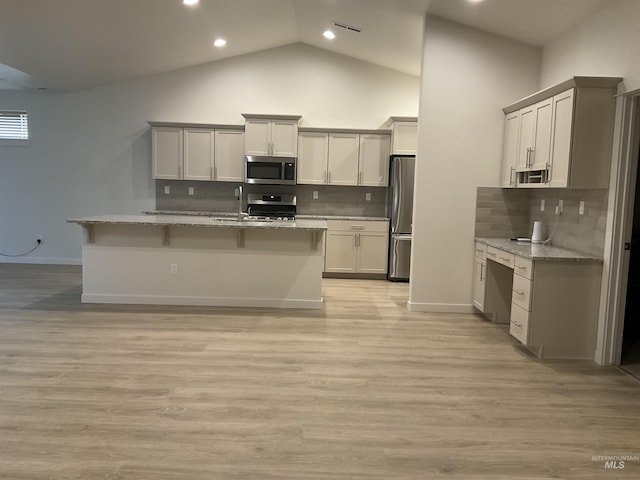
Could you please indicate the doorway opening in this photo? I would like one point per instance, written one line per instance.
(630, 354)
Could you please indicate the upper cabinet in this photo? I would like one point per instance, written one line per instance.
(561, 136)
(273, 135)
(404, 135)
(343, 157)
(197, 152)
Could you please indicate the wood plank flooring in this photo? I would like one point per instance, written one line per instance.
(363, 389)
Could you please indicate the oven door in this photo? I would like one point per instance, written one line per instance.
(269, 170)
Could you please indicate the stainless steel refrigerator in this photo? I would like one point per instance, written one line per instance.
(401, 212)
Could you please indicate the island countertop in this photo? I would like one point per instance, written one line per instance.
(201, 221)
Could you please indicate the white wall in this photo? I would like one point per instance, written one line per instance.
(90, 150)
(605, 44)
(467, 77)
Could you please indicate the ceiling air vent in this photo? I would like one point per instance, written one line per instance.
(347, 27)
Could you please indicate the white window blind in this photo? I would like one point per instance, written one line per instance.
(14, 125)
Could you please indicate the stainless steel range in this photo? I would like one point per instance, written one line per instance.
(271, 207)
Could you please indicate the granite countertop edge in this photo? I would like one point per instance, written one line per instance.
(300, 216)
(537, 251)
(199, 221)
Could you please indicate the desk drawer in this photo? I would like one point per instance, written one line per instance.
(481, 250)
(523, 266)
(519, 326)
(500, 256)
(521, 294)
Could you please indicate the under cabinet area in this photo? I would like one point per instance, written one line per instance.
(194, 152)
(271, 135)
(548, 296)
(561, 136)
(343, 158)
(356, 247)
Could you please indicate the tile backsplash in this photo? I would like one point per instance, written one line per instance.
(511, 213)
(220, 197)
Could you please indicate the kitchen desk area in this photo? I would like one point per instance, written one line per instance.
(548, 295)
(202, 260)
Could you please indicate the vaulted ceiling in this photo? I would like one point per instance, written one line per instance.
(77, 44)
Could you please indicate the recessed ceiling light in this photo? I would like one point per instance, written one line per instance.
(220, 42)
(190, 2)
(329, 34)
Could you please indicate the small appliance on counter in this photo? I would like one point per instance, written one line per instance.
(400, 204)
(271, 206)
(537, 236)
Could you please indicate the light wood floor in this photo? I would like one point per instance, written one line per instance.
(361, 390)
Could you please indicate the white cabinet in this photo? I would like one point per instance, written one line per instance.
(510, 149)
(271, 136)
(358, 247)
(313, 151)
(197, 153)
(229, 156)
(564, 135)
(479, 276)
(373, 160)
(167, 151)
(343, 158)
(404, 137)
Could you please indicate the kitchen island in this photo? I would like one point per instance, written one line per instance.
(198, 260)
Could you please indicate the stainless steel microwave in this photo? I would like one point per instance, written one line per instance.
(270, 170)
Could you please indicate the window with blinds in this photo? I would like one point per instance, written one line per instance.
(14, 125)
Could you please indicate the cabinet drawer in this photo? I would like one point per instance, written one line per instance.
(500, 256)
(481, 250)
(358, 225)
(519, 326)
(523, 266)
(521, 294)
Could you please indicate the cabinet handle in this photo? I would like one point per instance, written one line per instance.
(549, 169)
(481, 271)
(491, 254)
(528, 163)
(357, 227)
(358, 239)
(511, 180)
(505, 259)
(179, 171)
(359, 177)
(213, 173)
(520, 266)
(478, 250)
(326, 176)
(516, 323)
(519, 292)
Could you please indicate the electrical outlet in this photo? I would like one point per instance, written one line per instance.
(315, 194)
(173, 269)
(167, 189)
(39, 239)
(367, 196)
(581, 208)
(542, 205)
(236, 192)
(192, 191)
(560, 206)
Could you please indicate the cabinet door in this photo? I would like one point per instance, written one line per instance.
(257, 137)
(343, 158)
(167, 152)
(229, 156)
(284, 138)
(340, 253)
(541, 154)
(374, 160)
(313, 150)
(525, 138)
(510, 148)
(563, 107)
(405, 138)
(198, 154)
(479, 282)
(372, 252)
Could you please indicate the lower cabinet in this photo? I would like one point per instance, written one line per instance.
(356, 247)
(550, 304)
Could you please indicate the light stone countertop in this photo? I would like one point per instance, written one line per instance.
(200, 221)
(232, 214)
(538, 251)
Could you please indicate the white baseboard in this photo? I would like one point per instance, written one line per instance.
(440, 307)
(42, 260)
(202, 301)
